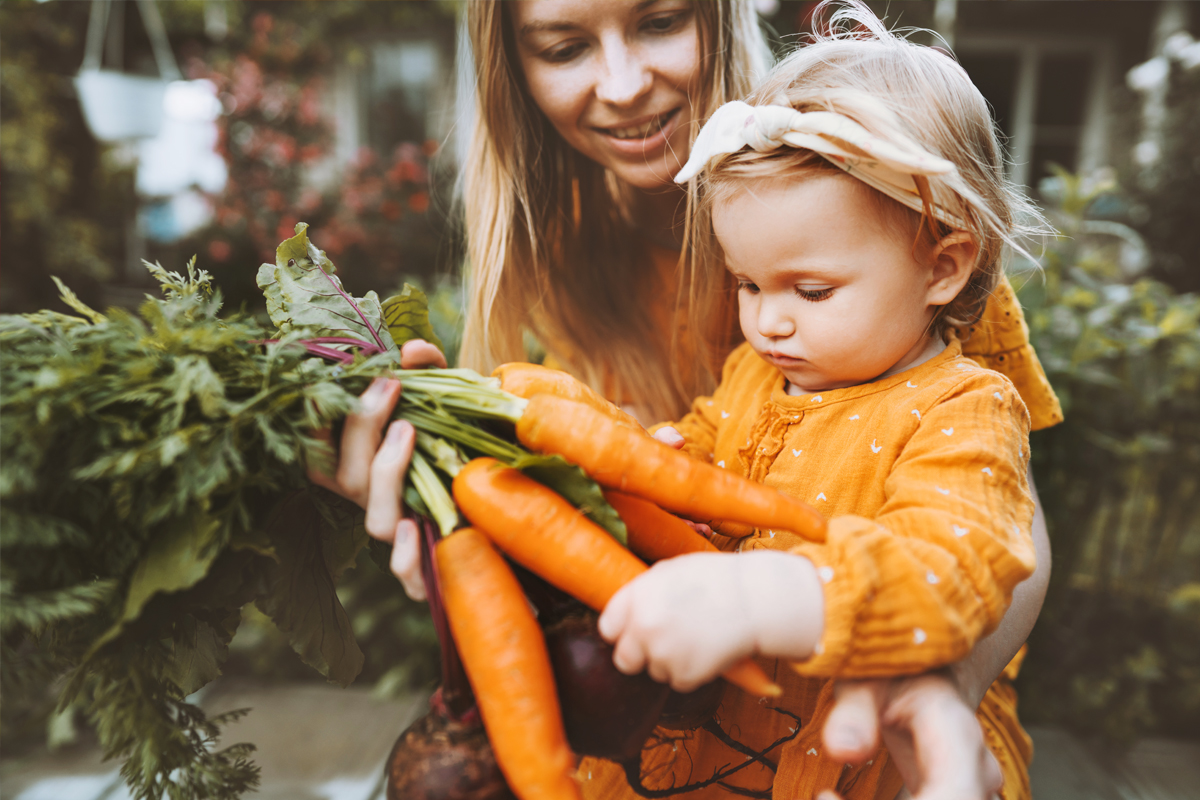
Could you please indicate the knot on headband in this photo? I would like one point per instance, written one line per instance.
(846, 144)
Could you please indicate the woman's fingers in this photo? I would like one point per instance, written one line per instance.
(418, 353)
(406, 558)
(361, 436)
(851, 731)
(386, 480)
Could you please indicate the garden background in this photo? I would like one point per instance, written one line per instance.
(348, 116)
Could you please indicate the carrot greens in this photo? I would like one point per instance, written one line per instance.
(153, 483)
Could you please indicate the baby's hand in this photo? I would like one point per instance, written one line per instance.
(689, 618)
(669, 435)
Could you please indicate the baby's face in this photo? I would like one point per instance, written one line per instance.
(827, 292)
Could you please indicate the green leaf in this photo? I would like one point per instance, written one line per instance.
(302, 292)
(69, 297)
(407, 317)
(199, 651)
(178, 558)
(577, 488)
(302, 599)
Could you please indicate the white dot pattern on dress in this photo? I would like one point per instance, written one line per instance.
(825, 573)
(919, 636)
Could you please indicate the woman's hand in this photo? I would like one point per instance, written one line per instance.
(372, 465)
(930, 732)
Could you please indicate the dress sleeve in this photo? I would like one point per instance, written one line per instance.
(917, 586)
(1000, 341)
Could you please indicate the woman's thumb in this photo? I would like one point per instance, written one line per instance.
(851, 731)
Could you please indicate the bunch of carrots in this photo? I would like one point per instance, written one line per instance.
(510, 514)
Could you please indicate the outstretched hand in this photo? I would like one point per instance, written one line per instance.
(931, 735)
(372, 465)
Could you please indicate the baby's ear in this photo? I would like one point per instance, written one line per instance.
(952, 262)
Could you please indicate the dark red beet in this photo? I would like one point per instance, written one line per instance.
(684, 711)
(438, 758)
(606, 713)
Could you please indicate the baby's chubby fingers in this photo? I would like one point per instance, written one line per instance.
(386, 480)
(670, 436)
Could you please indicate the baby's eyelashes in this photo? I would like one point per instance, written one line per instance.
(747, 286)
(814, 294)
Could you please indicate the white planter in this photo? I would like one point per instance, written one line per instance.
(119, 106)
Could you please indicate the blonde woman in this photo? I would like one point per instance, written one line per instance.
(585, 110)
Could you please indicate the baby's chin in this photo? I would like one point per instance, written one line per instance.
(805, 377)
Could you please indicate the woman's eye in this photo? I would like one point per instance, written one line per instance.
(746, 286)
(814, 295)
(564, 53)
(667, 23)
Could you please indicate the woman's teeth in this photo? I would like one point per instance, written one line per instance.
(653, 126)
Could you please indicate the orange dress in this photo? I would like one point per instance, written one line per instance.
(999, 341)
(923, 478)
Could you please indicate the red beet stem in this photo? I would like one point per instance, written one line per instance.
(456, 692)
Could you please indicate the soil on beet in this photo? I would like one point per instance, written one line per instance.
(438, 758)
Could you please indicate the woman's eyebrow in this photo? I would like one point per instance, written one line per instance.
(546, 26)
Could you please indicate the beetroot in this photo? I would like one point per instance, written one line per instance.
(445, 755)
(440, 758)
(684, 711)
(605, 712)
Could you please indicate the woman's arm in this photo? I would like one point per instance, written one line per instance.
(927, 722)
(975, 673)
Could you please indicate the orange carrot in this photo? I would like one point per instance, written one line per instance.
(548, 536)
(543, 532)
(622, 459)
(526, 380)
(508, 665)
(655, 534)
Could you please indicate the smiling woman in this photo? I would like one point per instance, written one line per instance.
(616, 85)
(585, 112)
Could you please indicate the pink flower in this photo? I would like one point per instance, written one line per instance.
(219, 250)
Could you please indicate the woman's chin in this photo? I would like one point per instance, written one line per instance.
(656, 174)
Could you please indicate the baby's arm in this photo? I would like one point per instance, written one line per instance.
(917, 586)
(689, 618)
(908, 591)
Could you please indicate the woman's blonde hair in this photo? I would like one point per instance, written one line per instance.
(914, 96)
(550, 245)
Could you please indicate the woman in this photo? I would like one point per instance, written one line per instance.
(585, 112)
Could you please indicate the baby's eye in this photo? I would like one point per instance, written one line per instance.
(747, 286)
(814, 294)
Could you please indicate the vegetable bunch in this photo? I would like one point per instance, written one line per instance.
(153, 484)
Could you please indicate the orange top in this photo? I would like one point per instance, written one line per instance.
(923, 476)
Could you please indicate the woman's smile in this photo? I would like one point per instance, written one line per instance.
(640, 136)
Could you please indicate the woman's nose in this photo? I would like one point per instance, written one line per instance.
(627, 77)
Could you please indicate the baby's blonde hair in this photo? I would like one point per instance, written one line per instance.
(909, 94)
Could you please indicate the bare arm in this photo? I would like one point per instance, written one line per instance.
(975, 673)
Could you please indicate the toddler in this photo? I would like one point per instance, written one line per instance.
(858, 200)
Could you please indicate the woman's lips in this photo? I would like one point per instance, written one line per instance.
(661, 127)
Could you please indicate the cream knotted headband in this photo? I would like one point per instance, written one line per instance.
(843, 142)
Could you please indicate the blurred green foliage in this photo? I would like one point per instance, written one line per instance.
(65, 195)
(1117, 649)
